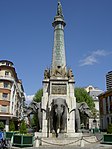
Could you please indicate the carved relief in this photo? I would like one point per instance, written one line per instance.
(70, 74)
(46, 74)
(59, 89)
(59, 72)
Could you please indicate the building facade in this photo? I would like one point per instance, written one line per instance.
(12, 96)
(94, 93)
(105, 103)
(109, 80)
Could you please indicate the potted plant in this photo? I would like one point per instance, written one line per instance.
(23, 138)
(107, 138)
(2, 126)
(11, 131)
(11, 126)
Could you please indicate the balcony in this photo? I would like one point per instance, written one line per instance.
(9, 78)
(7, 115)
(6, 88)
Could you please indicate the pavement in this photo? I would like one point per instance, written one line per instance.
(97, 145)
(90, 146)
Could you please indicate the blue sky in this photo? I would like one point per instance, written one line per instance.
(26, 39)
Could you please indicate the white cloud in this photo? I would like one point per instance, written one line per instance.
(89, 60)
(100, 53)
(92, 58)
(29, 98)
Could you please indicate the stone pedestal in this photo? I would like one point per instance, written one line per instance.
(53, 88)
(45, 108)
(7, 125)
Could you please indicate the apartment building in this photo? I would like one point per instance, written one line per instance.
(105, 104)
(94, 92)
(12, 96)
(109, 80)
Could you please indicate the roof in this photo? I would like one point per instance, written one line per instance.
(109, 72)
(106, 93)
(6, 61)
(12, 69)
(95, 93)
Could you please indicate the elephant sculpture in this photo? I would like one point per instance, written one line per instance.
(35, 108)
(58, 115)
(81, 108)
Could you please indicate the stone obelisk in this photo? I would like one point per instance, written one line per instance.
(58, 80)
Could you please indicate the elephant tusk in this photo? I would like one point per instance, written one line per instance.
(44, 110)
(71, 110)
(58, 130)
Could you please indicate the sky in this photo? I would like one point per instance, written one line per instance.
(26, 39)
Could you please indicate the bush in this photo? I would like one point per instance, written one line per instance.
(109, 130)
(23, 127)
(11, 126)
(2, 126)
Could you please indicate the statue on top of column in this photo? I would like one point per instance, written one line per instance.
(59, 9)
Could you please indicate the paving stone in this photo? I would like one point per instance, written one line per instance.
(91, 146)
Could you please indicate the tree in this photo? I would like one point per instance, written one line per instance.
(11, 126)
(23, 127)
(80, 93)
(38, 95)
(109, 129)
(82, 96)
(2, 126)
(37, 98)
(35, 122)
(95, 113)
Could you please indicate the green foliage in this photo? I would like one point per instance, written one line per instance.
(23, 127)
(109, 129)
(80, 93)
(82, 96)
(94, 113)
(11, 126)
(37, 98)
(38, 95)
(2, 126)
(35, 122)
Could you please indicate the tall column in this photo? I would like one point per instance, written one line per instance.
(58, 55)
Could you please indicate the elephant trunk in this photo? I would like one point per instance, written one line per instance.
(58, 122)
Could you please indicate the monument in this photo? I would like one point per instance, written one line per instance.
(58, 102)
(58, 113)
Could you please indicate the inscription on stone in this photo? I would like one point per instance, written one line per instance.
(59, 89)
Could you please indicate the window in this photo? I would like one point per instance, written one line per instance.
(12, 105)
(6, 85)
(4, 109)
(5, 95)
(7, 64)
(6, 73)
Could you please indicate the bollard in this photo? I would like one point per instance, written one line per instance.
(37, 143)
(82, 143)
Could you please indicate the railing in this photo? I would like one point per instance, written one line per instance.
(81, 141)
(6, 77)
